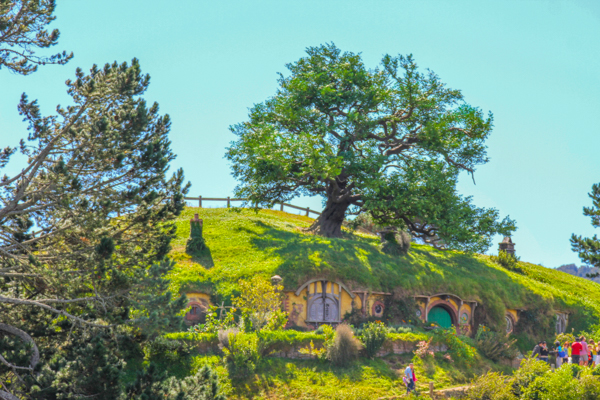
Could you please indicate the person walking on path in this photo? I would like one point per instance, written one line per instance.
(576, 351)
(567, 349)
(592, 349)
(584, 352)
(597, 358)
(410, 379)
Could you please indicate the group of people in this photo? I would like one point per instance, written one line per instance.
(579, 352)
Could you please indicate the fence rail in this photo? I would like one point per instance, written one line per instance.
(228, 199)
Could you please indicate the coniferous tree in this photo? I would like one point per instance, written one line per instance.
(23, 30)
(84, 232)
(588, 249)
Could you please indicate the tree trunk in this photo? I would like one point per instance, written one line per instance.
(329, 223)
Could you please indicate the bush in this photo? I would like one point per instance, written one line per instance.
(202, 386)
(162, 349)
(396, 243)
(507, 261)
(344, 348)
(373, 335)
(461, 350)
(491, 386)
(241, 354)
(495, 345)
(529, 371)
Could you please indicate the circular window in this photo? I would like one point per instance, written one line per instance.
(377, 309)
(464, 318)
(509, 324)
(418, 312)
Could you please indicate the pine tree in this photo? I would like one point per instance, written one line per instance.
(22, 32)
(85, 229)
(588, 249)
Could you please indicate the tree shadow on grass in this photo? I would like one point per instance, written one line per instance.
(359, 262)
(203, 257)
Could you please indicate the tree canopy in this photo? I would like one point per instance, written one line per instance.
(23, 30)
(390, 141)
(85, 228)
(588, 249)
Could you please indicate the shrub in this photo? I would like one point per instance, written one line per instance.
(559, 385)
(373, 335)
(396, 243)
(344, 348)
(529, 371)
(461, 350)
(241, 354)
(223, 337)
(507, 261)
(491, 386)
(495, 345)
(423, 348)
(260, 304)
(166, 350)
(202, 386)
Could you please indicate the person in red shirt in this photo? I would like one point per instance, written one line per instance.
(576, 351)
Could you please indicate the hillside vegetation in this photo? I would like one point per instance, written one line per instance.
(242, 243)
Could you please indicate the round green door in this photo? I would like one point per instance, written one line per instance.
(440, 316)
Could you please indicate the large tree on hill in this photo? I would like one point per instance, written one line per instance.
(85, 228)
(23, 30)
(389, 141)
(589, 248)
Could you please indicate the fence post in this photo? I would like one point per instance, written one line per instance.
(307, 211)
(228, 202)
(200, 201)
(281, 209)
(431, 389)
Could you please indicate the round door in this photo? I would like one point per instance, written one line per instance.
(440, 316)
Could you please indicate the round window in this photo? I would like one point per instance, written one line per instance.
(464, 318)
(377, 310)
(418, 313)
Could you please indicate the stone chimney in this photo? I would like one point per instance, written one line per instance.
(507, 246)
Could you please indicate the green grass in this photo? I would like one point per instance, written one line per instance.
(279, 378)
(242, 243)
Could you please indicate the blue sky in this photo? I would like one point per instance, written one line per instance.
(534, 64)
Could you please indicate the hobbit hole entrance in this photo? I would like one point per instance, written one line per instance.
(440, 316)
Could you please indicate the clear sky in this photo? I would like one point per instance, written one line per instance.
(534, 64)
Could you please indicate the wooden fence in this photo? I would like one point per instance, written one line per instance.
(228, 199)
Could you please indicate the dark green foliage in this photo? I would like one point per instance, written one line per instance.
(395, 243)
(86, 228)
(195, 243)
(507, 261)
(241, 354)
(588, 249)
(23, 25)
(204, 385)
(372, 336)
(389, 141)
(495, 345)
(401, 310)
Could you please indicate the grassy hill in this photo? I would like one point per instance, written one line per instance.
(243, 243)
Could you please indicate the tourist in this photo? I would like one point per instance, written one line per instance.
(560, 354)
(544, 352)
(592, 349)
(410, 379)
(567, 349)
(536, 350)
(576, 351)
(584, 352)
(597, 359)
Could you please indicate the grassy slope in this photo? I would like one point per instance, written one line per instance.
(242, 243)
